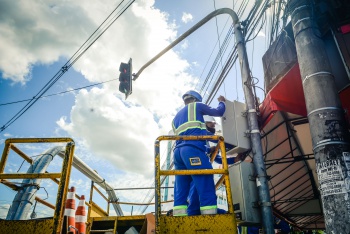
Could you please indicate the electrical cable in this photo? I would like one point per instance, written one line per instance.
(236, 82)
(54, 94)
(212, 53)
(259, 18)
(213, 69)
(261, 11)
(65, 68)
(215, 66)
(228, 66)
(257, 8)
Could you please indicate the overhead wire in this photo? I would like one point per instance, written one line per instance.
(236, 82)
(223, 71)
(55, 94)
(240, 12)
(215, 67)
(230, 61)
(86, 45)
(211, 54)
(261, 10)
(252, 26)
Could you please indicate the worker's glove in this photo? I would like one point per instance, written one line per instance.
(209, 129)
(212, 149)
(242, 156)
(221, 99)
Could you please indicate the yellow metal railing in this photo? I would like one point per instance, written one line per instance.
(223, 171)
(54, 225)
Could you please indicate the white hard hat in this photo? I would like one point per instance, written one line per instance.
(208, 118)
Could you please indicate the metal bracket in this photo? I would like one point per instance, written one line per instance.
(329, 142)
(245, 113)
(264, 203)
(248, 133)
(261, 176)
(251, 178)
(324, 108)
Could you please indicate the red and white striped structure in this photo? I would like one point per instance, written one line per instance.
(70, 207)
(80, 216)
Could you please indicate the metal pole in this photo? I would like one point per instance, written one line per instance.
(326, 118)
(261, 179)
(63, 187)
(157, 195)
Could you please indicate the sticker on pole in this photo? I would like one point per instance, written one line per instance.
(331, 178)
(346, 158)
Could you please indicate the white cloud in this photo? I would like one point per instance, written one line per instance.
(124, 132)
(4, 210)
(186, 17)
(184, 45)
(33, 32)
(121, 132)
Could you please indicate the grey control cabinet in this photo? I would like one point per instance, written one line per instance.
(234, 127)
(245, 193)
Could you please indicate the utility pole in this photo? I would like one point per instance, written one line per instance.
(326, 118)
(255, 139)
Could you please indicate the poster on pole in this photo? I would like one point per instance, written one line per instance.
(331, 178)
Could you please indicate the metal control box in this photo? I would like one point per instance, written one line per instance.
(245, 193)
(234, 127)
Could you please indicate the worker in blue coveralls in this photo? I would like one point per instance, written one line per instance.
(191, 155)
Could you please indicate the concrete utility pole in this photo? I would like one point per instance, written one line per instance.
(326, 118)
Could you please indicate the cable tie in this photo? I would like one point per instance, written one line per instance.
(329, 142)
(298, 8)
(264, 203)
(324, 108)
(317, 74)
(299, 21)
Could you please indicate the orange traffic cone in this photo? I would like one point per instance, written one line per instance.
(80, 216)
(70, 207)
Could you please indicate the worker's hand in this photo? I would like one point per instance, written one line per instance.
(240, 157)
(212, 149)
(221, 99)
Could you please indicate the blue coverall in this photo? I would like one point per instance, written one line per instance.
(193, 199)
(189, 155)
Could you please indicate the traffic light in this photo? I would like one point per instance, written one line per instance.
(125, 78)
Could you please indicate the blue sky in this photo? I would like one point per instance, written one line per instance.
(113, 136)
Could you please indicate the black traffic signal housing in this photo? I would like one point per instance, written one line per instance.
(125, 78)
